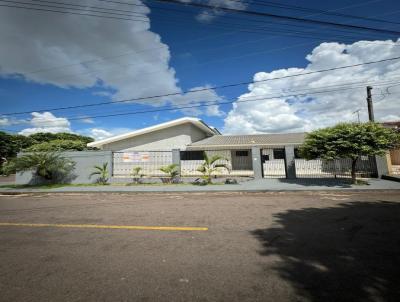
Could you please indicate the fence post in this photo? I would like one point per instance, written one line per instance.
(111, 165)
(176, 159)
(382, 167)
(257, 162)
(289, 162)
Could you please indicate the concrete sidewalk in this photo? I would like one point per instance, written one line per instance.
(258, 185)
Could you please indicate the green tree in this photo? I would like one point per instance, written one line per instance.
(171, 170)
(50, 166)
(102, 172)
(10, 145)
(349, 140)
(59, 145)
(210, 166)
(41, 137)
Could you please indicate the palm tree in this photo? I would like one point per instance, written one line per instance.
(136, 175)
(210, 166)
(102, 171)
(171, 170)
(47, 165)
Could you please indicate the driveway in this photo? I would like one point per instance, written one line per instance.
(304, 246)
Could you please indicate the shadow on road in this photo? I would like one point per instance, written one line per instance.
(345, 253)
(324, 182)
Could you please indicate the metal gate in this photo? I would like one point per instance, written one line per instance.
(338, 168)
(273, 163)
(150, 162)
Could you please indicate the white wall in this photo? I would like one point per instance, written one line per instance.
(177, 137)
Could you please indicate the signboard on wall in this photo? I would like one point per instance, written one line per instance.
(135, 157)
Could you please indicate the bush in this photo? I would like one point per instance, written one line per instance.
(49, 166)
(58, 145)
(210, 166)
(136, 175)
(102, 172)
(171, 171)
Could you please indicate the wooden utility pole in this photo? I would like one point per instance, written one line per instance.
(370, 105)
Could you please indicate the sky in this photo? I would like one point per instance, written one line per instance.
(163, 62)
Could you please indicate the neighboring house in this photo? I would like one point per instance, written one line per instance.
(394, 158)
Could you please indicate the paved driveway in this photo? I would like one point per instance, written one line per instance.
(316, 246)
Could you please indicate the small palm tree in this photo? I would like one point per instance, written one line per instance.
(171, 170)
(136, 175)
(102, 171)
(210, 166)
(50, 166)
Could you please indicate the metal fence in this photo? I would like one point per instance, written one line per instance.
(339, 168)
(150, 162)
(238, 162)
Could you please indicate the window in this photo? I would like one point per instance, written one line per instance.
(264, 158)
(242, 153)
(279, 153)
(192, 155)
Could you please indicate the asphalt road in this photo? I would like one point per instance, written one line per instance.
(309, 246)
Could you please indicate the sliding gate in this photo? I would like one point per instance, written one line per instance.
(273, 163)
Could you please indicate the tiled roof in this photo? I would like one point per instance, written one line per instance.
(250, 140)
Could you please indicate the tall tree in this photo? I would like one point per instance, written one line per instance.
(349, 140)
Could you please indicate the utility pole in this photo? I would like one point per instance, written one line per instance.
(370, 105)
(358, 114)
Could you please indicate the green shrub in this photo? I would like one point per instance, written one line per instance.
(102, 172)
(50, 166)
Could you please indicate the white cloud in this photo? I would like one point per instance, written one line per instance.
(207, 16)
(99, 134)
(307, 112)
(87, 120)
(4, 122)
(124, 60)
(214, 110)
(46, 122)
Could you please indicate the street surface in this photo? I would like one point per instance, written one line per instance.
(293, 246)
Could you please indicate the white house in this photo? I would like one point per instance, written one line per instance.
(192, 137)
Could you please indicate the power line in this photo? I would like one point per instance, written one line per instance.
(70, 13)
(83, 8)
(293, 34)
(276, 16)
(207, 88)
(313, 10)
(295, 93)
(344, 86)
(213, 103)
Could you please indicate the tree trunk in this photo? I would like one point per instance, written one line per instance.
(353, 170)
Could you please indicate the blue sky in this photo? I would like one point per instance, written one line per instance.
(41, 66)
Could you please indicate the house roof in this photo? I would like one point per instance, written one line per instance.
(395, 125)
(194, 121)
(234, 141)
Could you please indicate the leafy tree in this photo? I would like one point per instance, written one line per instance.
(47, 165)
(136, 175)
(171, 171)
(102, 171)
(59, 145)
(10, 145)
(210, 166)
(349, 140)
(41, 137)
